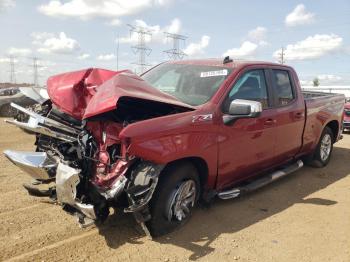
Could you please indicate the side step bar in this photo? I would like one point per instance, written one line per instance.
(260, 182)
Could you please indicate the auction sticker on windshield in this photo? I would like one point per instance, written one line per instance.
(214, 73)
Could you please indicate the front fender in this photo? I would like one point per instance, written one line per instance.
(166, 139)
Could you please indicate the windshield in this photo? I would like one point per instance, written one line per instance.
(191, 84)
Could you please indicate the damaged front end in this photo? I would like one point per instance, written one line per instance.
(80, 157)
(87, 168)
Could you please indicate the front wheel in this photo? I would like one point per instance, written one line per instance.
(176, 194)
(323, 151)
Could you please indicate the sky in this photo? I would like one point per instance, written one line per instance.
(68, 35)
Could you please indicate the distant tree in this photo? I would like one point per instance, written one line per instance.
(316, 82)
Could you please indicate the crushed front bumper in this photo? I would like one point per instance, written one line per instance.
(37, 164)
(139, 186)
(67, 180)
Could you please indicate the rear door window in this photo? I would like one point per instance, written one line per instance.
(283, 87)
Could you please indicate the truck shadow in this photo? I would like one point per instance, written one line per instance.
(230, 216)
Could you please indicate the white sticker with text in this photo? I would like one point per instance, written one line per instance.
(214, 73)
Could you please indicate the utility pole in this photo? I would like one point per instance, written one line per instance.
(176, 52)
(282, 56)
(12, 70)
(141, 48)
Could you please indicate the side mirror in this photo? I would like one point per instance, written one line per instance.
(240, 108)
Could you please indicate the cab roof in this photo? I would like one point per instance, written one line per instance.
(220, 62)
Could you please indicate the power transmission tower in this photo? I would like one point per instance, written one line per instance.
(141, 48)
(12, 70)
(176, 52)
(35, 71)
(282, 56)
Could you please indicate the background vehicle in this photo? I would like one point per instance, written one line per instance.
(188, 130)
(23, 96)
(346, 122)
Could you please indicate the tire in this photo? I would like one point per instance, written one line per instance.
(323, 151)
(7, 111)
(162, 205)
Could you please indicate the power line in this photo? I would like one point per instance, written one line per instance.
(176, 52)
(141, 48)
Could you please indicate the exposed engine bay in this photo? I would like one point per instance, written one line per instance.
(86, 166)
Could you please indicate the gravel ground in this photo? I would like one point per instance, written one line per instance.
(304, 217)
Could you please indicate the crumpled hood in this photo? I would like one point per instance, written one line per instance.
(126, 84)
(90, 92)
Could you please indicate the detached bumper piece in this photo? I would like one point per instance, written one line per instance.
(37, 164)
(67, 180)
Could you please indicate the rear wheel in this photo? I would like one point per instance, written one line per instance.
(172, 203)
(323, 151)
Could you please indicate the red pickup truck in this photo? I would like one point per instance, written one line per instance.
(183, 131)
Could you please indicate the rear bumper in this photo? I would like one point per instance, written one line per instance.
(346, 124)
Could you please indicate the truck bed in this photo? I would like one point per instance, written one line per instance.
(310, 95)
(319, 108)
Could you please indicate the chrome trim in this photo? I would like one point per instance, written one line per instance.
(36, 164)
(67, 179)
(235, 192)
(116, 189)
(45, 126)
(255, 106)
(34, 126)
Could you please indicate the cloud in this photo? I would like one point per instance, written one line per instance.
(50, 43)
(4, 60)
(325, 79)
(87, 9)
(174, 27)
(156, 30)
(299, 16)
(19, 51)
(106, 57)
(246, 50)
(6, 4)
(7, 60)
(115, 22)
(254, 39)
(329, 79)
(258, 35)
(196, 49)
(83, 56)
(312, 47)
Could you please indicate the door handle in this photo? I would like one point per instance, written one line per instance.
(299, 115)
(270, 122)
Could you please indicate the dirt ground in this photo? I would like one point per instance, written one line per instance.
(304, 217)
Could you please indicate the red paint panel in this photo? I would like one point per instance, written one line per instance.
(71, 92)
(126, 84)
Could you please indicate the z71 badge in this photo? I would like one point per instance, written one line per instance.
(202, 118)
